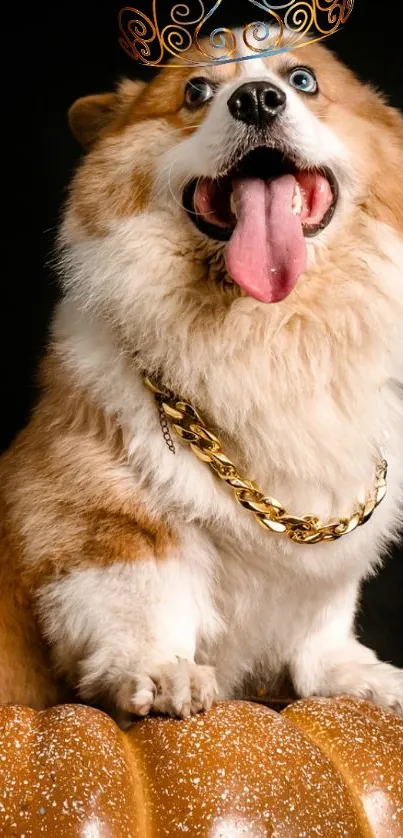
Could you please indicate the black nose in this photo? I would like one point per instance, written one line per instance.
(257, 103)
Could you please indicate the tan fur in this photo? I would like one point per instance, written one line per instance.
(67, 495)
(381, 158)
(162, 99)
(107, 117)
(26, 673)
(65, 506)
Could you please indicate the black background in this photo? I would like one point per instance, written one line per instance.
(55, 53)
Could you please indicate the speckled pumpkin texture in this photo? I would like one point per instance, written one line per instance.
(322, 768)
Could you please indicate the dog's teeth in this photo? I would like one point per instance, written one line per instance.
(233, 205)
(297, 200)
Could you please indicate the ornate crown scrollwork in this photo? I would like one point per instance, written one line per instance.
(285, 26)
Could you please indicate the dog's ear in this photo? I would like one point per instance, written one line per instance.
(89, 116)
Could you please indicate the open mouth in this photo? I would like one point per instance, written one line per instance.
(265, 208)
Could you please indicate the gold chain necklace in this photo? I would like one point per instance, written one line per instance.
(269, 513)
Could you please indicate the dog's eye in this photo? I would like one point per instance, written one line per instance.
(303, 80)
(198, 92)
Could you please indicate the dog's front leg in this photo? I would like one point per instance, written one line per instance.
(328, 660)
(128, 632)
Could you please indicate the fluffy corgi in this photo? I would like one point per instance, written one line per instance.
(236, 233)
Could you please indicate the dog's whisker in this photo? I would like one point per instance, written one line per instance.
(180, 203)
(180, 187)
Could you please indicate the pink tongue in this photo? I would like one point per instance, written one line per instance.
(267, 252)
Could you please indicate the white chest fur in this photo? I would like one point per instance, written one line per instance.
(259, 598)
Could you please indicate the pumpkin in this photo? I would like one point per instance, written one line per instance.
(323, 767)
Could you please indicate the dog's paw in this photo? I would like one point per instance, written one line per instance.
(178, 689)
(373, 681)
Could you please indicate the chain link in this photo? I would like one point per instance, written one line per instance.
(165, 426)
(269, 512)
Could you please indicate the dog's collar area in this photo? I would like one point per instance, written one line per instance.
(269, 513)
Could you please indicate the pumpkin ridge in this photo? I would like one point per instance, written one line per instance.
(327, 735)
(140, 785)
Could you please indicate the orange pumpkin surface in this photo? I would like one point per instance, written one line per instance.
(321, 768)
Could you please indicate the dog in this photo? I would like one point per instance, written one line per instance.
(234, 232)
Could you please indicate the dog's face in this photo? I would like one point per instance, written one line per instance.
(256, 169)
(262, 171)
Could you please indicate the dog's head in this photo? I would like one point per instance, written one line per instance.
(231, 183)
